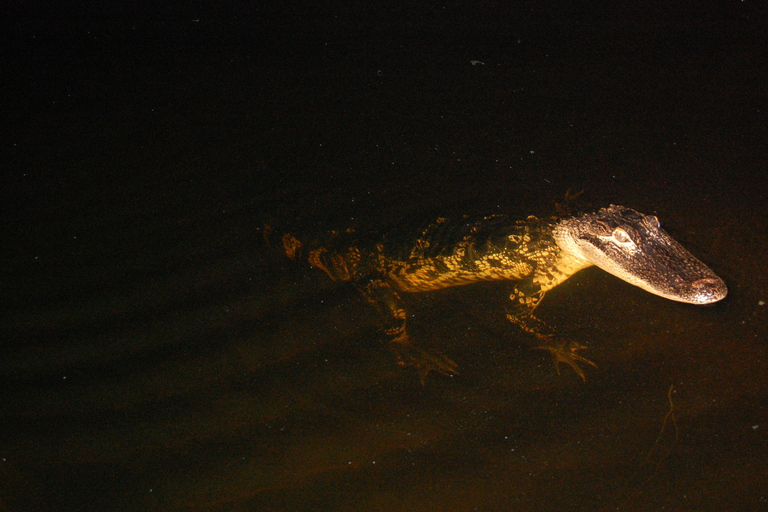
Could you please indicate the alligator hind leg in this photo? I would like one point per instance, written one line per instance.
(392, 311)
(526, 298)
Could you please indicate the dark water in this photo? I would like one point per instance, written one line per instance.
(155, 356)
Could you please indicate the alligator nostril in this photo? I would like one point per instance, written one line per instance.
(705, 283)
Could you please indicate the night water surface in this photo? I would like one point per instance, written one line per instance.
(157, 355)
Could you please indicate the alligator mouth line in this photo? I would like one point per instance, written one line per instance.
(635, 248)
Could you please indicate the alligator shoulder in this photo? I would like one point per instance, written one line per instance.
(535, 254)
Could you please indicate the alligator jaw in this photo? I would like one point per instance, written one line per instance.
(634, 248)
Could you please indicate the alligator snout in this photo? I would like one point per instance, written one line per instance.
(709, 289)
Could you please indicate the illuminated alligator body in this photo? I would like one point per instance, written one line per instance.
(538, 255)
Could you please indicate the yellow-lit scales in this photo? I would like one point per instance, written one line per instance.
(536, 254)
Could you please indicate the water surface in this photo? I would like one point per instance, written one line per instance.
(157, 356)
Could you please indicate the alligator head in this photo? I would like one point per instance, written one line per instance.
(633, 247)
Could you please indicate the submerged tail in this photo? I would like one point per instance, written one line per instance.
(284, 242)
(332, 252)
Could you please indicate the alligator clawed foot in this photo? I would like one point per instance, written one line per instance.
(564, 351)
(408, 354)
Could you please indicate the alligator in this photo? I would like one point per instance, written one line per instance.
(537, 254)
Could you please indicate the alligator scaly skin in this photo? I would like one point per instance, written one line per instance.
(538, 255)
(446, 253)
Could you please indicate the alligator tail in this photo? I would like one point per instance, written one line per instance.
(332, 254)
(284, 242)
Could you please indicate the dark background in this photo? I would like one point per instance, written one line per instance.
(156, 356)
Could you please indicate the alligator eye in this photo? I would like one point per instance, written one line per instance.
(652, 220)
(621, 236)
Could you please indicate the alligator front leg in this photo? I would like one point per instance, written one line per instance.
(525, 298)
(392, 311)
